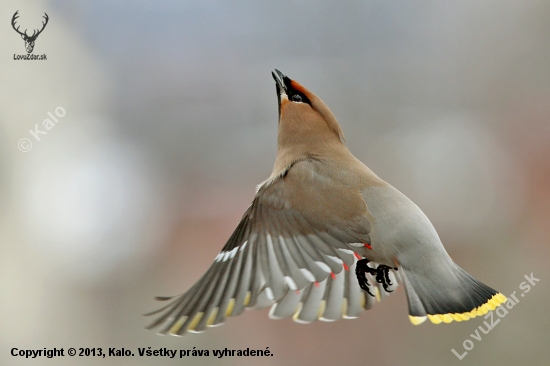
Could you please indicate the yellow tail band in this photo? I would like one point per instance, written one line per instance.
(490, 305)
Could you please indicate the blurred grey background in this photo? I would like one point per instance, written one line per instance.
(171, 121)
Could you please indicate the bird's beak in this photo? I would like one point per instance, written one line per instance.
(279, 78)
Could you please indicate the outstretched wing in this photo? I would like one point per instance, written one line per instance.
(295, 249)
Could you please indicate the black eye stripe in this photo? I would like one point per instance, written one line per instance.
(293, 93)
(296, 96)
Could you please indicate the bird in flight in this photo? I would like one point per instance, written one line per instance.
(325, 238)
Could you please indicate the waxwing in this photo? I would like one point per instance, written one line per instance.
(325, 238)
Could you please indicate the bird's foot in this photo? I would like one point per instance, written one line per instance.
(383, 277)
(361, 269)
(381, 274)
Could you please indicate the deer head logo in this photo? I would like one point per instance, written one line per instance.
(29, 40)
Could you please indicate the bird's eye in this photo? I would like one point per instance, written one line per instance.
(296, 98)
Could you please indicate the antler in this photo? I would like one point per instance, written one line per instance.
(36, 32)
(43, 25)
(15, 16)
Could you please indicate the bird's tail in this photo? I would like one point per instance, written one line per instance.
(444, 297)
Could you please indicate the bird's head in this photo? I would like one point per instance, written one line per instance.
(303, 117)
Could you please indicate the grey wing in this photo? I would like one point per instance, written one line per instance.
(282, 254)
(337, 297)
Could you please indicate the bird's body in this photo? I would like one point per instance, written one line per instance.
(304, 245)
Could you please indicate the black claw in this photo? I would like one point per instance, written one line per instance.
(387, 281)
(381, 273)
(361, 269)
